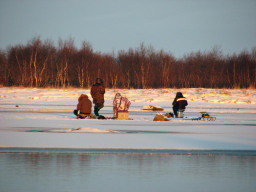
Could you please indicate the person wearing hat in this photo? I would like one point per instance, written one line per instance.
(97, 93)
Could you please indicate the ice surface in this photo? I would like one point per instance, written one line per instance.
(43, 118)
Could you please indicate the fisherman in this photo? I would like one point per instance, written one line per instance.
(97, 93)
(84, 106)
(179, 104)
(120, 104)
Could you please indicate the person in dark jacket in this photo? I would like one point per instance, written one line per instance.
(84, 106)
(97, 93)
(179, 103)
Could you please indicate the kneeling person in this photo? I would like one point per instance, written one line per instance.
(84, 107)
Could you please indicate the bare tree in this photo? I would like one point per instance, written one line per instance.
(4, 73)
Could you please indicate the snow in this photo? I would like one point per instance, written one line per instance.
(43, 118)
(151, 107)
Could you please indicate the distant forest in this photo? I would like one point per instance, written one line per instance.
(41, 64)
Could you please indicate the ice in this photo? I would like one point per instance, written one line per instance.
(88, 130)
(151, 107)
(43, 118)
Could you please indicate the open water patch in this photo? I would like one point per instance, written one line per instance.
(124, 151)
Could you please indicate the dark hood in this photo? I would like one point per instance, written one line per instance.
(179, 95)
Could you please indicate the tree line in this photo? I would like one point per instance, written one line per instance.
(41, 64)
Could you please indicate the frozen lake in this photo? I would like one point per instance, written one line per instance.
(43, 147)
(54, 126)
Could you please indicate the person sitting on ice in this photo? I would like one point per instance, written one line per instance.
(84, 107)
(179, 103)
(120, 104)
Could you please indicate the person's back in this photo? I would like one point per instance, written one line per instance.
(97, 93)
(179, 103)
(84, 104)
(120, 104)
(182, 103)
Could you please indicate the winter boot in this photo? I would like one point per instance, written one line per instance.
(96, 111)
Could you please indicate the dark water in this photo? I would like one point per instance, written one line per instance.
(127, 171)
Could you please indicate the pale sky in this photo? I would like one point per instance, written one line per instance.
(176, 26)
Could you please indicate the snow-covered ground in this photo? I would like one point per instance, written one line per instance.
(43, 118)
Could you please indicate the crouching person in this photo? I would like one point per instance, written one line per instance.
(84, 107)
(120, 105)
(179, 104)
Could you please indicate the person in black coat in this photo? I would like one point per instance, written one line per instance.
(179, 103)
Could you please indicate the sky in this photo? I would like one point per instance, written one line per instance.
(178, 27)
